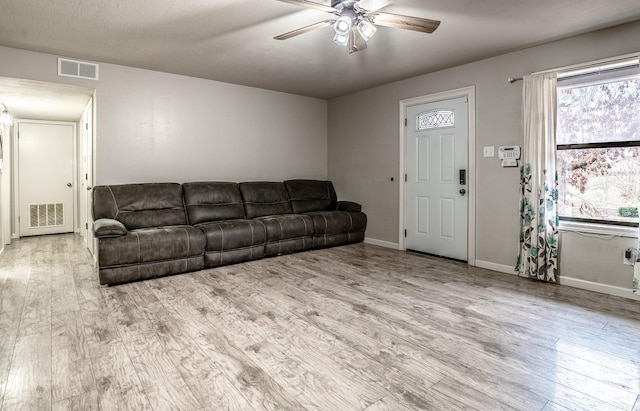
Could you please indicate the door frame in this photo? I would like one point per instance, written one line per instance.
(470, 94)
(16, 168)
(91, 240)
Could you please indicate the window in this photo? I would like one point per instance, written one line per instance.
(598, 145)
(436, 119)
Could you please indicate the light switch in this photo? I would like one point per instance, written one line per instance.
(488, 151)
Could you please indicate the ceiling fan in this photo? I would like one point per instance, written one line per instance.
(356, 21)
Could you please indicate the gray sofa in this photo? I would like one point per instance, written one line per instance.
(157, 229)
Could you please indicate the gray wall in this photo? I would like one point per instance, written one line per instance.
(154, 126)
(364, 145)
(596, 259)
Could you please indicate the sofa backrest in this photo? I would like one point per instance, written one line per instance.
(311, 195)
(212, 201)
(263, 198)
(140, 205)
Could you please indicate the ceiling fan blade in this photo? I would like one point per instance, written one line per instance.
(356, 41)
(405, 22)
(303, 30)
(373, 5)
(311, 5)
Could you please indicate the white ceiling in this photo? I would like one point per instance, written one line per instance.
(28, 99)
(232, 40)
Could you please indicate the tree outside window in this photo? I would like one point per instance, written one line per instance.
(598, 138)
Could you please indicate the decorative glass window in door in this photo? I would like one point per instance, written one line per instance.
(436, 119)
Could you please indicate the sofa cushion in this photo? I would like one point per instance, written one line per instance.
(286, 226)
(311, 195)
(150, 245)
(232, 241)
(140, 205)
(265, 198)
(287, 233)
(212, 201)
(232, 234)
(337, 222)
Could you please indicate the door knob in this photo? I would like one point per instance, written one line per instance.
(463, 191)
(69, 184)
(89, 188)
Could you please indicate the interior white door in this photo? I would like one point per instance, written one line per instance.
(45, 174)
(82, 172)
(437, 163)
(85, 175)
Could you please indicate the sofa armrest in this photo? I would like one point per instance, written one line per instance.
(348, 206)
(107, 227)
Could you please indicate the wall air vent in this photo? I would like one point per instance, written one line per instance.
(46, 215)
(77, 69)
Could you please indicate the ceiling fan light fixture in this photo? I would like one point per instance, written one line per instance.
(366, 29)
(357, 20)
(341, 39)
(342, 26)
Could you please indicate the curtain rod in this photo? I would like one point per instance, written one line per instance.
(595, 63)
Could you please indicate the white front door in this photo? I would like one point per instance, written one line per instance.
(45, 173)
(437, 176)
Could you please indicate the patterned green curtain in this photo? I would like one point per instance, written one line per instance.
(636, 268)
(538, 254)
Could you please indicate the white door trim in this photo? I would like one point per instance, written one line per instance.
(16, 168)
(91, 240)
(470, 93)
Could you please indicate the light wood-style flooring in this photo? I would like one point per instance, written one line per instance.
(357, 327)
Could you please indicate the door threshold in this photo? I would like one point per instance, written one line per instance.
(436, 255)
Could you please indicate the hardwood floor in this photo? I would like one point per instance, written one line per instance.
(350, 328)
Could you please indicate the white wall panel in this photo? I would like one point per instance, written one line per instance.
(447, 220)
(424, 160)
(447, 155)
(424, 210)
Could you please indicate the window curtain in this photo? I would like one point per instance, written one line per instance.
(636, 268)
(538, 254)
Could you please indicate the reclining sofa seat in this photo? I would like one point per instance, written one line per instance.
(334, 222)
(143, 232)
(268, 203)
(217, 209)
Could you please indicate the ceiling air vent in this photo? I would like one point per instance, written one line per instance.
(78, 69)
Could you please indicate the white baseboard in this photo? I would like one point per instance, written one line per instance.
(566, 281)
(598, 287)
(386, 244)
(501, 268)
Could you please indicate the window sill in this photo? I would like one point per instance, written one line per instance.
(602, 229)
